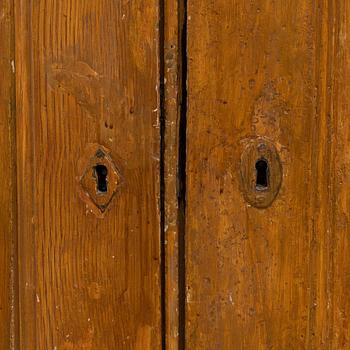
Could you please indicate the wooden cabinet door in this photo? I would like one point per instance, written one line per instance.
(268, 79)
(80, 189)
(174, 175)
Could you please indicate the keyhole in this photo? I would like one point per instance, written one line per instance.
(101, 173)
(262, 175)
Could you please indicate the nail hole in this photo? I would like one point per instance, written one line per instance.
(262, 175)
(108, 126)
(101, 173)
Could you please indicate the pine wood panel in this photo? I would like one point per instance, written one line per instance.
(274, 278)
(88, 73)
(8, 243)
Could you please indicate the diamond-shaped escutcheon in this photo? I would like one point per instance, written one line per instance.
(100, 179)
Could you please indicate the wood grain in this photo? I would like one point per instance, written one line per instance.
(338, 89)
(88, 73)
(274, 278)
(172, 54)
(86, 78)
(8, 239)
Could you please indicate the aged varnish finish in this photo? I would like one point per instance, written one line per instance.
(8, 225)
(175, 175)
(273, 278)
(87, 73)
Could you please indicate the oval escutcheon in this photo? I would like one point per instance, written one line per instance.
(261, 172)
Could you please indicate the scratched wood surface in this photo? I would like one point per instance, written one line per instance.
(87, 74)
(172, 55)
(8, 275)
(274, 278)
(84, 90)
